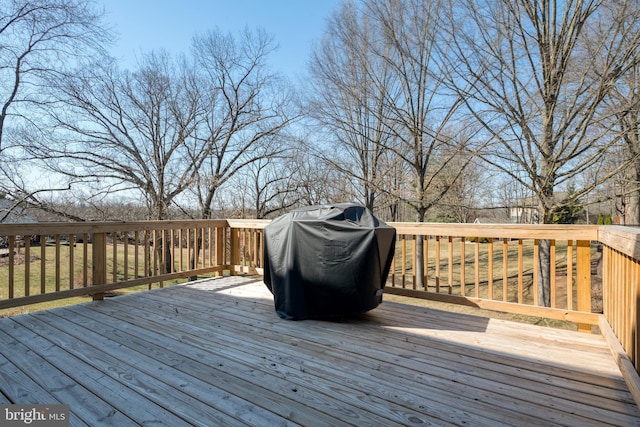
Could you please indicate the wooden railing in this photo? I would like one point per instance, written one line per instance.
(496, 267)
(247, 245)
(621, 293)
(488, 266)
(45, 262)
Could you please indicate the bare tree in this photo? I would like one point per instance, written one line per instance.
(467, 193)
(39, 41)
(129, 131)
(347, 102)
(421, 110)
(379, 86)
(625, 102)
(272, 181)
(319, 182)
(245, 106)
(534, 78)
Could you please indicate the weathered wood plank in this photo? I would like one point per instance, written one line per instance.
(252, 362)
(152, 352)
(215, 352)
(174, 402)
(202, 400)
(66, 358)
(63, 389)
(18, 387)
(551, 398)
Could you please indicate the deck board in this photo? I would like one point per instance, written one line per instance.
(214, 352)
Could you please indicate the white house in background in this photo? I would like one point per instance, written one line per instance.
(491, 216)
(525, 211)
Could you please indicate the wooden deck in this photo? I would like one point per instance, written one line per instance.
(214, 352)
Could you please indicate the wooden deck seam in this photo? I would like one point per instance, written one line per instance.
(329, 323)
(61, 386)
(311, 415)
(20, 387)
(544, 366)
(79, 371)
(404, 420)
(194, 387)
(143, 391)
(171, 301)
(215, 352)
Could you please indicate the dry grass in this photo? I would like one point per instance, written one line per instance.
(445, 261)
(70, 268)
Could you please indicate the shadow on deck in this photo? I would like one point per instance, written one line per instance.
(214, 352)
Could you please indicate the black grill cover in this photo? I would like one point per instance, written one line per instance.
(327, 261)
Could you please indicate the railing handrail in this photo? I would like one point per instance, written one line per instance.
(159, 251)
(507, 230)
(501, 230)
(65, 228)
(623, 239)
(248, 223)
(611, 234)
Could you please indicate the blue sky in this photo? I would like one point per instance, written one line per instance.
(144, 25)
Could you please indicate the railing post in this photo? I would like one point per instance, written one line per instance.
(99, 262)
(583, 279)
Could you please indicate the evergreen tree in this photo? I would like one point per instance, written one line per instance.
(570, 211)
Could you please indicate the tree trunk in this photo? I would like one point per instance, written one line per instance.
(197, 242)
(632, 216)
(393, 211)
(544, 260)
(168, 259)
(419, 262)
(544, 273)
(163, 249)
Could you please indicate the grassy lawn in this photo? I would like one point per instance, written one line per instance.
(491, 283)
(69, 269)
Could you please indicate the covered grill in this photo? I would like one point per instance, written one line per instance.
(327, 261)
